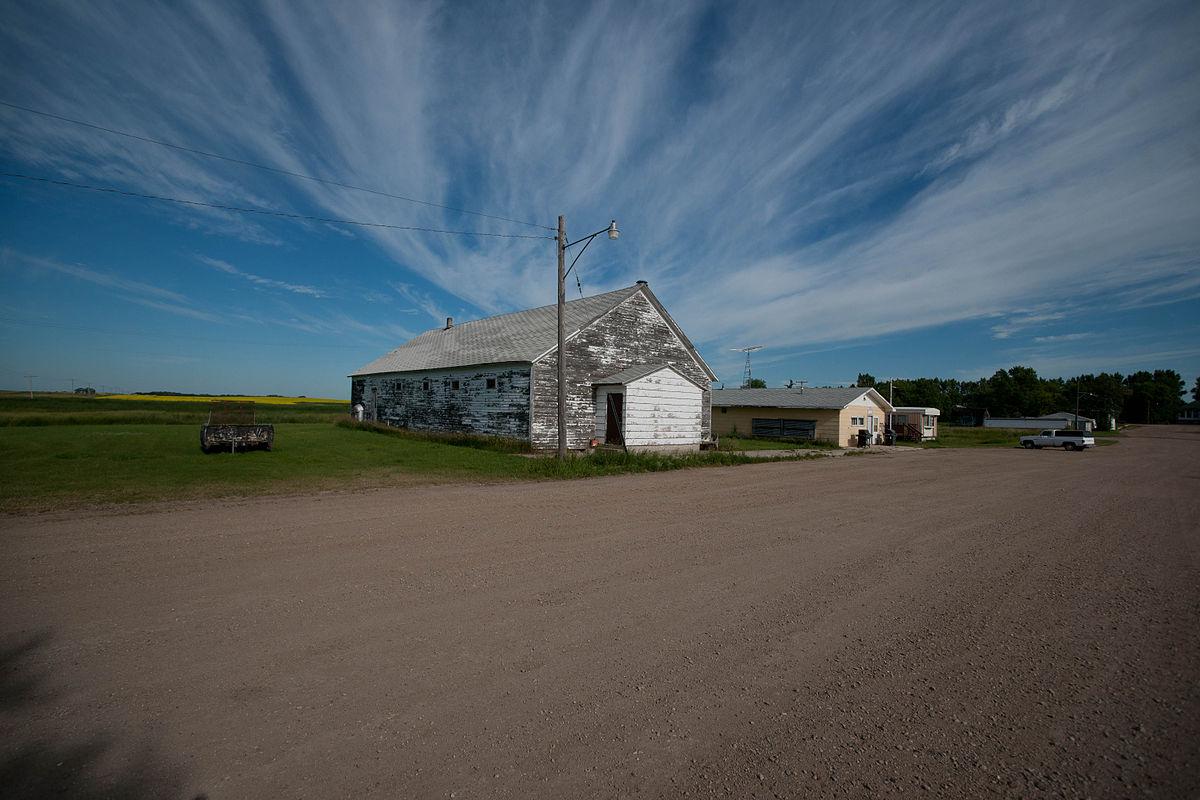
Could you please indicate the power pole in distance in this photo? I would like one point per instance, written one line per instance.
(29, 379)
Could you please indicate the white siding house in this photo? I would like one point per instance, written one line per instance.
(650, 406)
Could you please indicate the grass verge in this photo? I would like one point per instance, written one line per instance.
(65, 466)
(949, 436)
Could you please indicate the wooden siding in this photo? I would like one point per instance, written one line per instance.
(471, 408)
(663, 409)
(632, 333)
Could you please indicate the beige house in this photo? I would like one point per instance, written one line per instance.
(830, 415)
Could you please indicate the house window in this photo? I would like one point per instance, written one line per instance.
(454, 385)
(724, 410)
(491, 383)
(425, 385)
(856, 420)
(928, 421)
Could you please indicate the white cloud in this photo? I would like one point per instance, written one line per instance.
(760, 186)
(258, 280)
(131, 291)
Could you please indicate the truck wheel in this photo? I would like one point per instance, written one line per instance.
(1027, 445)
(1068, 445)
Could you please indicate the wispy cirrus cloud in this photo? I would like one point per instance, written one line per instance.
(131, 291)
(789, 175)
(259, 280)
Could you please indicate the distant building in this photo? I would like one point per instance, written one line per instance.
(825, 414)
(1059, 420)
(1189, 414)
(967, 416)
(915, 423)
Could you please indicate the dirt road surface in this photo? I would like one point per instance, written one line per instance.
(989, 623)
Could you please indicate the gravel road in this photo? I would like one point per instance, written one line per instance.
(984, 623)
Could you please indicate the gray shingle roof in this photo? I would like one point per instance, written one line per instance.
(517, 337)
(1061, 414)
(631, 374)
(812, 397)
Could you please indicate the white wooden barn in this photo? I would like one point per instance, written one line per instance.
(634, 379)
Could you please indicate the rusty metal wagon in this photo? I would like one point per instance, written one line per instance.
(231, 427)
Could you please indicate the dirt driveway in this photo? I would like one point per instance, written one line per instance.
(948, 623)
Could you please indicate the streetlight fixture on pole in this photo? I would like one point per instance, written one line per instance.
(562, 246)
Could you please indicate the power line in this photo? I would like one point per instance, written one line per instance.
(158, 335)
(267, 167)
(265, 211)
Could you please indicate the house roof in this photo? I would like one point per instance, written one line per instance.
(927, 410)
(631, 374)
(1064, 414)
(811, 397)
(523, 336)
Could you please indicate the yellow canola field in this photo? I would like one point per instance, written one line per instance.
(281, 401)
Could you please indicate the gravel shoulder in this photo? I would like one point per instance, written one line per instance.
(955, 623)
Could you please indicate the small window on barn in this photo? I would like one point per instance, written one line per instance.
(454, 385)
(724, 410)
(425, 385)
(491, 383)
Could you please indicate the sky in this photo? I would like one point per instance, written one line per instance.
(905, 189)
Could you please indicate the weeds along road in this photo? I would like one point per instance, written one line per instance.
(945, 623)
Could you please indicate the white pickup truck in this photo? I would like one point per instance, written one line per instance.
(1067, 440)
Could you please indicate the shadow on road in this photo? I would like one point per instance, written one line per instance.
(68, 763)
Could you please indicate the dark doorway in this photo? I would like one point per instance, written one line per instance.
(616, 413)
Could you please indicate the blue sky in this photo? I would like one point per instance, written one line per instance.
(904, 189)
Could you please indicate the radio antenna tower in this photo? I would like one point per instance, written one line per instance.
(746, 371)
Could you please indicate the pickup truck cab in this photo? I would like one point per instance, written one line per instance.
(1067, 440)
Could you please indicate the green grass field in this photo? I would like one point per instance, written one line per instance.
(94, 451)
(66, 409)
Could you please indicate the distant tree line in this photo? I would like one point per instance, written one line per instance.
(1143, 396)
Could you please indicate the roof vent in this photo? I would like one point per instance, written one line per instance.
(449, 323)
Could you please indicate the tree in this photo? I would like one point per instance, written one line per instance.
(756, 383)
(1153, 397)
(1196, 390)
(865, 380)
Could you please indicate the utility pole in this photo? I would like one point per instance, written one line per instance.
(562, 355)
(561, 244)
(29, 379)
(1077, 404)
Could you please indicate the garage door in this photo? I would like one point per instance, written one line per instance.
(783, 428)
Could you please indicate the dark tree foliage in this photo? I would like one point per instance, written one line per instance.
(865, 380)
(1019, 392)
(1153, 396)
(1196, 391)
(756, 383)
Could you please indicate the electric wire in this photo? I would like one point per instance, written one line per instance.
(160, 335)
(265, 211)
(267, 167)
